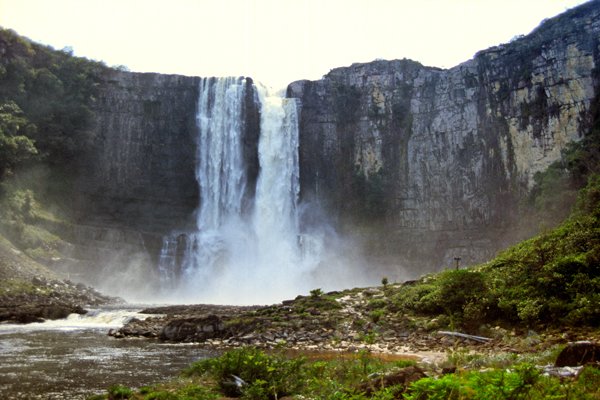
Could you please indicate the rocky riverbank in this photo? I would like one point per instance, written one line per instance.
(346, 321)
(29, 292)
(40, 299)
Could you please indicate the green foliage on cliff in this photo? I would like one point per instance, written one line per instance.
(45, 99)
(16, 146)
(552, 279)
(25, 223)
(556, 188)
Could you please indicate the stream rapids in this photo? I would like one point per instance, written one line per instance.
(74, 358)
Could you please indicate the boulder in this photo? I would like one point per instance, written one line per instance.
(578, 353)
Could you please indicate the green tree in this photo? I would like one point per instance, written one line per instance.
(15, 144)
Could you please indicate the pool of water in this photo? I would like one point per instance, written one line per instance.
(75, 358)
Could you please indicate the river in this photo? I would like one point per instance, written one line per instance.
(74, 358)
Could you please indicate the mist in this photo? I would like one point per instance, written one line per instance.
(268, 253)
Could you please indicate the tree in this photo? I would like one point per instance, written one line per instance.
(15, 144)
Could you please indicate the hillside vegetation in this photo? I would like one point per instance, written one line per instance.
(45, 127)
(45, 98)
(551, 279)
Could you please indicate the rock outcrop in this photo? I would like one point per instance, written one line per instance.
(578, 353)
(29, 292)
(140, 170)
(428, 165)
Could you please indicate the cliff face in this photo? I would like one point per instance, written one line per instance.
(140, 170)
(137, 182)
(421, 164)
(434, 162)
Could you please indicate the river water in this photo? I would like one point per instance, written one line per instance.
(75, 358)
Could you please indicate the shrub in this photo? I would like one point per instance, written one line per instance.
(521, 382)
(376, 304)
(377, 315)
(463, 295)
(264, 375)
(119, 392)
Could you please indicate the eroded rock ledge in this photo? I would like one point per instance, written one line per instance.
(47, 299)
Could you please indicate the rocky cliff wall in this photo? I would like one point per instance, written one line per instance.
(137, 183)
(140, 170)
(428, 164)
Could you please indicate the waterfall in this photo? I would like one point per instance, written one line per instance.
(278, 186)
(220, 169)
(231, 257)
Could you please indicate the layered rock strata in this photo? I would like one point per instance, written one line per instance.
(428, 165)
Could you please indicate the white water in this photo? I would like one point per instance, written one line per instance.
(253, 257)
(74, 358)
(93, 319)
(220, 170)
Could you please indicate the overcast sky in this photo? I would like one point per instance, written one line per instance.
(274, 41)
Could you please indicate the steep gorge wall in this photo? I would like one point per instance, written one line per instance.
(421, 164)
(140, 170)
(137, 181)
(426, 164)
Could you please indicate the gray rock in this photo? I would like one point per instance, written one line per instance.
(439, 159)
(578, 353)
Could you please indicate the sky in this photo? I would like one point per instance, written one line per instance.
(273, 41)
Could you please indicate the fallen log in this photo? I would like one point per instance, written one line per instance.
(479, 339)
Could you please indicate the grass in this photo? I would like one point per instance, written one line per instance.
(273, 376)
(10, 287)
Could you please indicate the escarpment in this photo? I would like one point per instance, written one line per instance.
(428, 165)
(422, 166)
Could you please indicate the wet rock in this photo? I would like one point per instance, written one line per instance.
(29, 310)
(578, 353)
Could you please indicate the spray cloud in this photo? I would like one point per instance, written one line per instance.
(260, 256)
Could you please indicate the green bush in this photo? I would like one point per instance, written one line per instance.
(264, 375)
(588, 381)
(463, 295)
(16, 146)
(420, 298)
(119, 392)
(376, 304)
(520, 382)
(376, 315)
